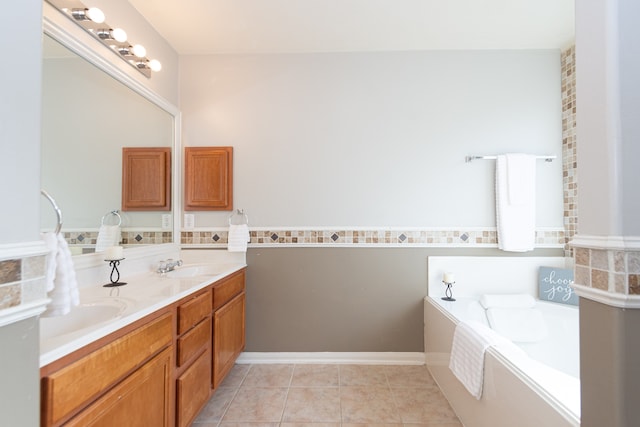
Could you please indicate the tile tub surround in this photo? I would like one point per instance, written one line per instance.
(22, 281)
(308, 236)
(611, 270)
(334, 395)
(569, 146)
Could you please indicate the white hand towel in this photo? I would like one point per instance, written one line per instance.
(51, 241)
(507, 301)
(64, 294)
(108, 235)
(238, 237)
(516, 202)
(470, 342)
(518, 324)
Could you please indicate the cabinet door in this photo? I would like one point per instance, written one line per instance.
(193, 390)
(208, 176)
(146, 179)
(228, 337)
(143, 399)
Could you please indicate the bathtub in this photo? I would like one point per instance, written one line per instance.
(537, 387)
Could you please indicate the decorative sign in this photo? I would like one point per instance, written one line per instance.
(554, 284)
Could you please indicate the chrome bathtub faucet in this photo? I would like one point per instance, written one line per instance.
(168, 265)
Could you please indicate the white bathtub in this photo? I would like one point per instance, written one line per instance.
(541, 388)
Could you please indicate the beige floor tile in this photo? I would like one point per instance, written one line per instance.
(359, 375)
(310, 424)
(236, 376)
(315, 376)
(247, 425)
(423, 405)
(268, 376)
(370, 425)
(312, 404)
(257, 405)
(217, 405)
(456, 424)
(368, 405)
(409, 376)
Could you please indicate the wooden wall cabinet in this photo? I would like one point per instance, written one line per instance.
(208, 179)
(146, 179)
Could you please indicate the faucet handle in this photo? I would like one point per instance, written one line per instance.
(179, 262)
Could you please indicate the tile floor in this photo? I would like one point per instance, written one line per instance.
(327, 396)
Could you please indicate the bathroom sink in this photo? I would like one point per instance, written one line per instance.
(194, 270)
(87, 314)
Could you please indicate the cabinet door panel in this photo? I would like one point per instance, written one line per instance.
(228, 337)
(141, 400)
(146, 179)
(208, 178)
(193, 390)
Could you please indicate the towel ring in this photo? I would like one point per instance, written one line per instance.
(240, 216)
(55, 208)
(114, 212)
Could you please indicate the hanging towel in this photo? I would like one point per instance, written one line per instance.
(516, 202)
(518, 324)
(238, 238)
(51, 241)
(470, 342)
(64, 294)
(108, 235)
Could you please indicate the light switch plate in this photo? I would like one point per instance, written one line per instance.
(166, 221)
(189, 221)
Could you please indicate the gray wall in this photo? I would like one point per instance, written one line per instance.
(375, 138)
(341, 299)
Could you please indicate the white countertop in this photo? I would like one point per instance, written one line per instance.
(143, 294)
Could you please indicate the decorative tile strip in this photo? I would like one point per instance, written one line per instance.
(22, 280)
(610, 270)
(87, 238)
(569, 146)
(362, 237)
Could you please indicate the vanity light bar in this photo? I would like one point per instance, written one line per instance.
(92, 20)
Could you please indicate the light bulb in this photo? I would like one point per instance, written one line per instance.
(155, 65)
(119, 35)
(95, 14)
(139, 51)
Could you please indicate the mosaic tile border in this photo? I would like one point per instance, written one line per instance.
(360, 237)
(88, 238)
(610, 270)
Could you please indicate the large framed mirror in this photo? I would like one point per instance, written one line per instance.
(90, 111)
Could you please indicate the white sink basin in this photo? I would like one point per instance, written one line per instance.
(194, 270)
(87, 314)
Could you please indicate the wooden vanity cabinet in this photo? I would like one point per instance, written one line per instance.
(160, 371)
(105, 380)
(228, 324)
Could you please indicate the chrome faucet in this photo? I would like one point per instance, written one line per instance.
(168, 265)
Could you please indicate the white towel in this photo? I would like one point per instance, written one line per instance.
(507, 301)
(518, 324)
(238, 237)
(51, 241)
(108, 235)
(516, 202)
(470, 342)
(64, 294)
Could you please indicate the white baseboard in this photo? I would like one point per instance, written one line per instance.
(346, 358)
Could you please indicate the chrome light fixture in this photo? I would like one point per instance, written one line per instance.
(92, 20)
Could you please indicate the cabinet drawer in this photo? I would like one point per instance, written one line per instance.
(72, 386)
(192, 312)
(227, 288)
(193, 389)
(193, 341)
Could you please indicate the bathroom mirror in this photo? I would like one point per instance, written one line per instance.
(88, 116)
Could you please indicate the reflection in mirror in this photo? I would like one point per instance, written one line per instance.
(87, 118)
